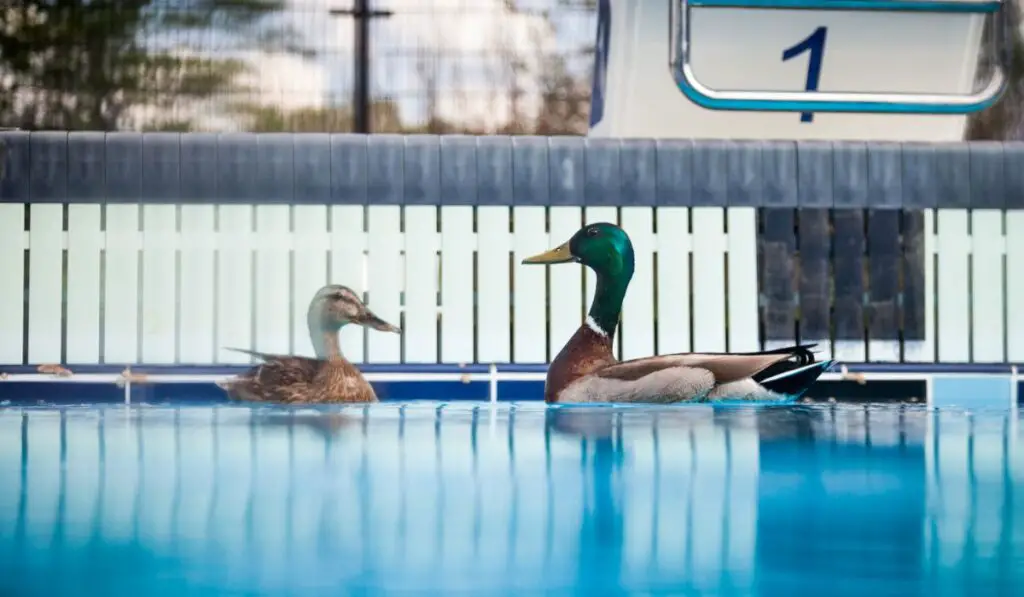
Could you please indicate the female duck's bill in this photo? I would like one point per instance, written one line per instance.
(585, 370)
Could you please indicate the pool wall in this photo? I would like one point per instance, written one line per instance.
(157, 251)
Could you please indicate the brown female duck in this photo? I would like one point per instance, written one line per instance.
(586, 371)
(327, 378)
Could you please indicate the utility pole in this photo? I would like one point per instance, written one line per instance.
(361, 13)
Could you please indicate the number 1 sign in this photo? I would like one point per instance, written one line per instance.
(815, 45)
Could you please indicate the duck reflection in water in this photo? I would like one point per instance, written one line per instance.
(601, 536)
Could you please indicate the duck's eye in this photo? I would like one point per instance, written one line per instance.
(592, 231)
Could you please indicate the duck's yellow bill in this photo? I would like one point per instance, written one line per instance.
(559, 254)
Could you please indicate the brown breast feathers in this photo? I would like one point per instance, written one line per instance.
(586, 352)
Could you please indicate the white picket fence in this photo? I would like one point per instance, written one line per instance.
(166, 284)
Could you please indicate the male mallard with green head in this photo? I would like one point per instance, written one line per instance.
(327, 378)
(586, 371)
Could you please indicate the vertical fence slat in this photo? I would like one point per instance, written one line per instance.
(745, 185)
(49, 167)
(919, 175)
(816, 186)
(198, 167)
(744, 333)
(385, 188)
(494, 246)
(457, 245)
(422, 171)
(779, 171)
(709, 244)
(312, 168)
(308, 267)
(987, 286)
(272, 284)
(988, 184)
(240, 169)
(197, 322)
(815, 279)
(124, 167)
(348, 267)
(674, 305)
(529, 315)
(602, 180)
(567, 170)
(778, 276)
(885, 182)
(638, 308)
(235, 288)
(1013, 157)
(421, 284)
(158, 283)
(45, 291)
(565, 281)
(710, 184)
(745, 181)
(885, 179)
(1015, 286)
(917, 298)
(45, 285)
(427, 178)
(953, 288)
(86, 166)
(348, 258)
(673, 270)
(848, 270)
(16, 166)
(12, 297)
(530, 191)
(638, 161)
(85, 241)
(883, 312)
(384, 279)
(121, 287)
(161, 165)
(814, 176)
(674, 172)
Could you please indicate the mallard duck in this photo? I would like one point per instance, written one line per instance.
(327, 378)
(586, 371)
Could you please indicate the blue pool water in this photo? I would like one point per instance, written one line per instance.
(428, 498)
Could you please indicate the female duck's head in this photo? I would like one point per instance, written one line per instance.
(334, 306)
(603, 247)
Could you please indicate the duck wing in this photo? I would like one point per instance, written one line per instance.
(726, 367)
(281, 378)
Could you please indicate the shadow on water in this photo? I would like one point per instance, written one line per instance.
(464, 498)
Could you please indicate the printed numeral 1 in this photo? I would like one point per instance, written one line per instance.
(815, 44)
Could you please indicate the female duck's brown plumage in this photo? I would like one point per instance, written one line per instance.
(327, 378)
(585, 370)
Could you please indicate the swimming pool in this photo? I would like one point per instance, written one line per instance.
(471, 498)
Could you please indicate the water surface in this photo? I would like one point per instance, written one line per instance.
(470, 499)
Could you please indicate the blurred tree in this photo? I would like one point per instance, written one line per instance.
(109, 64)
(1005, 120)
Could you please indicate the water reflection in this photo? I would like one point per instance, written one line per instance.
(521, 498)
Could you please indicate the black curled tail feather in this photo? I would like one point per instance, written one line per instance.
(793, 376)
(795, 381)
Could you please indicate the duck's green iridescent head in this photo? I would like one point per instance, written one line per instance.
(603, 247)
